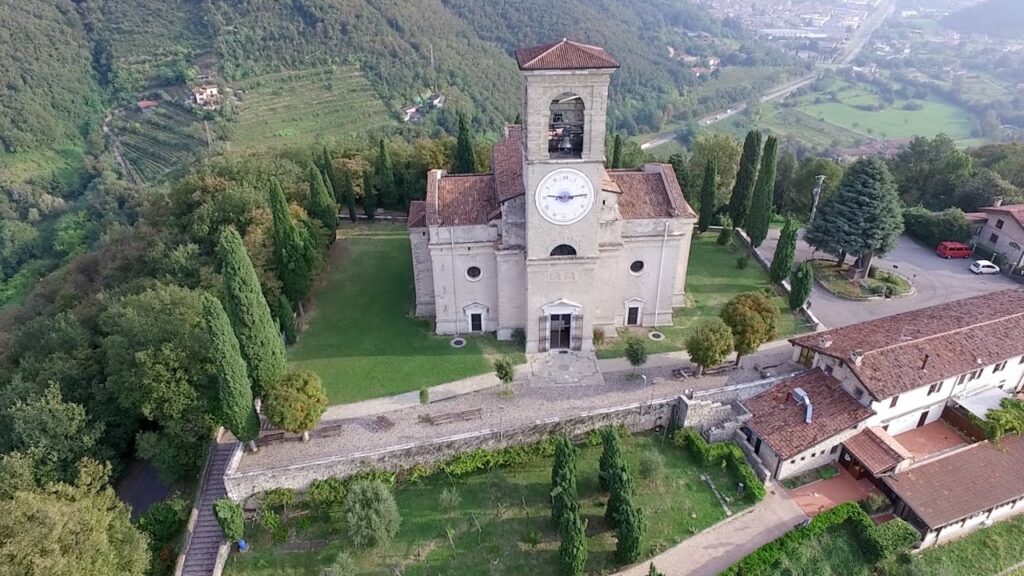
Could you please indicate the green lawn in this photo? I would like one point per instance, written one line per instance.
(712, 279)
(508, 505)
(362, 340)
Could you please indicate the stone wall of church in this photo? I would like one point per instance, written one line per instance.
(511, 287)
(422, 271)
(454, 289)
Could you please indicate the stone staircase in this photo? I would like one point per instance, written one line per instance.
(204, 540)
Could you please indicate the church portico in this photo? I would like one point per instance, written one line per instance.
(551, 243)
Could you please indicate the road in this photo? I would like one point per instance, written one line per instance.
(864, 33)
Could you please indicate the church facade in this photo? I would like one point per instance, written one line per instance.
(550, 242)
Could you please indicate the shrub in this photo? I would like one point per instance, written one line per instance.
(598, 336)
(424, 395)
(505, 370)
(636, 351)
(277, 498)
(892, 538)
(724, 236)
(519, 338)
(533, 538)
(449, 498)
(652, 464)
(343, 565)
(932, 228)
(370, 514)
(742, 262)
(163, 522)
(295, 402)
(327, 493)
(874, 503)
(231, 519)
(715, 454)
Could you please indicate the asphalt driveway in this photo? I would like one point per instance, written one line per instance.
(936, 280)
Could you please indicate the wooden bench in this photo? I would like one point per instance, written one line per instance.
(449, 417)
(265, 439)
(327, 431)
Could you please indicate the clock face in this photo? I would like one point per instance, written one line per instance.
(565, 196)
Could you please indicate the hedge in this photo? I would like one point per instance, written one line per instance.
(714, 454)
(931, 228)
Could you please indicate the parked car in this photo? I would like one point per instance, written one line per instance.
(954, 250)
(984, 267)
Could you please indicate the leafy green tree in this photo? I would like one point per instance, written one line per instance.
(233, 390)
(54, 433)
(370, 515)
(572, 552)
(801, 280)
(369, 196)
(739, 201)
(321, 203)
(726, 151)
(384, 176)
(293, 258)
(231, 519)
(348, 194)
(162, 524)
(617, 152)
(70, 530)
(761, 204)
(929, 172)
(982, 188)
(751, 317)
(611, 456)
(863, 217)
(707, 197)
(709, 344)
(636, 352)
(254, 326)
(295, 402)
(465, 153)
(782, 261)
(798, 198)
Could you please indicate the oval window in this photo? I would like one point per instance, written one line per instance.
(637, 267)
(473, 273)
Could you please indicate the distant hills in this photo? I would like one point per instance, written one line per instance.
(996, 17)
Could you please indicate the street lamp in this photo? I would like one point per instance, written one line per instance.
(819, 184)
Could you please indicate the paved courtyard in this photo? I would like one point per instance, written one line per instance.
(822, 495)
(931, 439)
(937, 280)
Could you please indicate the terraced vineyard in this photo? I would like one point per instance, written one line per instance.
(156, 144)
(290, 108)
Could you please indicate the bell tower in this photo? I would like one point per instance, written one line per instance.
(565, 107)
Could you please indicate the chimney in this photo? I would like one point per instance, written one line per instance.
(801, 397)
(997, 201)
(857, 357)
(924, 364)
(825, 341)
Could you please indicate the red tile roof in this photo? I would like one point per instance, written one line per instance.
(963, 483)
(465, 199)
(651, 192)
(507, 162)
(1016, 211)
(417, 214)
(956, 338)
(779, 420)
(564, 55)
(877, 450)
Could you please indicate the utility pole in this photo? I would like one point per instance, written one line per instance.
(819, 184)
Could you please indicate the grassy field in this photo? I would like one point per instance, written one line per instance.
(362, 340)
(159, 143)
(833, 553)
(509, 505)
(63, 165)
(295, 108)
(712, 279)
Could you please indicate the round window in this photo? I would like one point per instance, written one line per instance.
(473, 273)
(637, 267)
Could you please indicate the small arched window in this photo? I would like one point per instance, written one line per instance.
(563, 250)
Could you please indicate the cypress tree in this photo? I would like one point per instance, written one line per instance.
(254, 326)
(572, 552)
(782, 261)
(739, 202)
(563, 480)
(286, 319)
(611, 457)
(348, 194)
(631, 529)
(234, 393)
(369, 196)
(465, 154)
(622, 490)
(294, 263)
(617, 152)
(321, 203)
(707, 196)
(384, 176)
(678, 162)
(761, 204)
(800, 284)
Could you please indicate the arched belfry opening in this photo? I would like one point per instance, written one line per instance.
(565, 129)
(563, 250)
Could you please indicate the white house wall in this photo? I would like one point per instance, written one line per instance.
(981, 520)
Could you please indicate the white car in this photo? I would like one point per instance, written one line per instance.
(984, 267)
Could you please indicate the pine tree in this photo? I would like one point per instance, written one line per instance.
(384, 177)
(233, 390)
(764, 190)
(707, 196)
(369, 196)
(862, 217)
(254, 326)
(465, 154)
(611, 457)
(294, 262)
(572, 552)
(739, 202)
(321, 203)
(348, 194)
(801, 281)
(782, 261)
(617, 152)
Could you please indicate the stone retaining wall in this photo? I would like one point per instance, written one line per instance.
(763, 474)
(639, 417)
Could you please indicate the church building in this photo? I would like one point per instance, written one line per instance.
(551, 242)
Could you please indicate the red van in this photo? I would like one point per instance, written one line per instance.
(954, 250)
